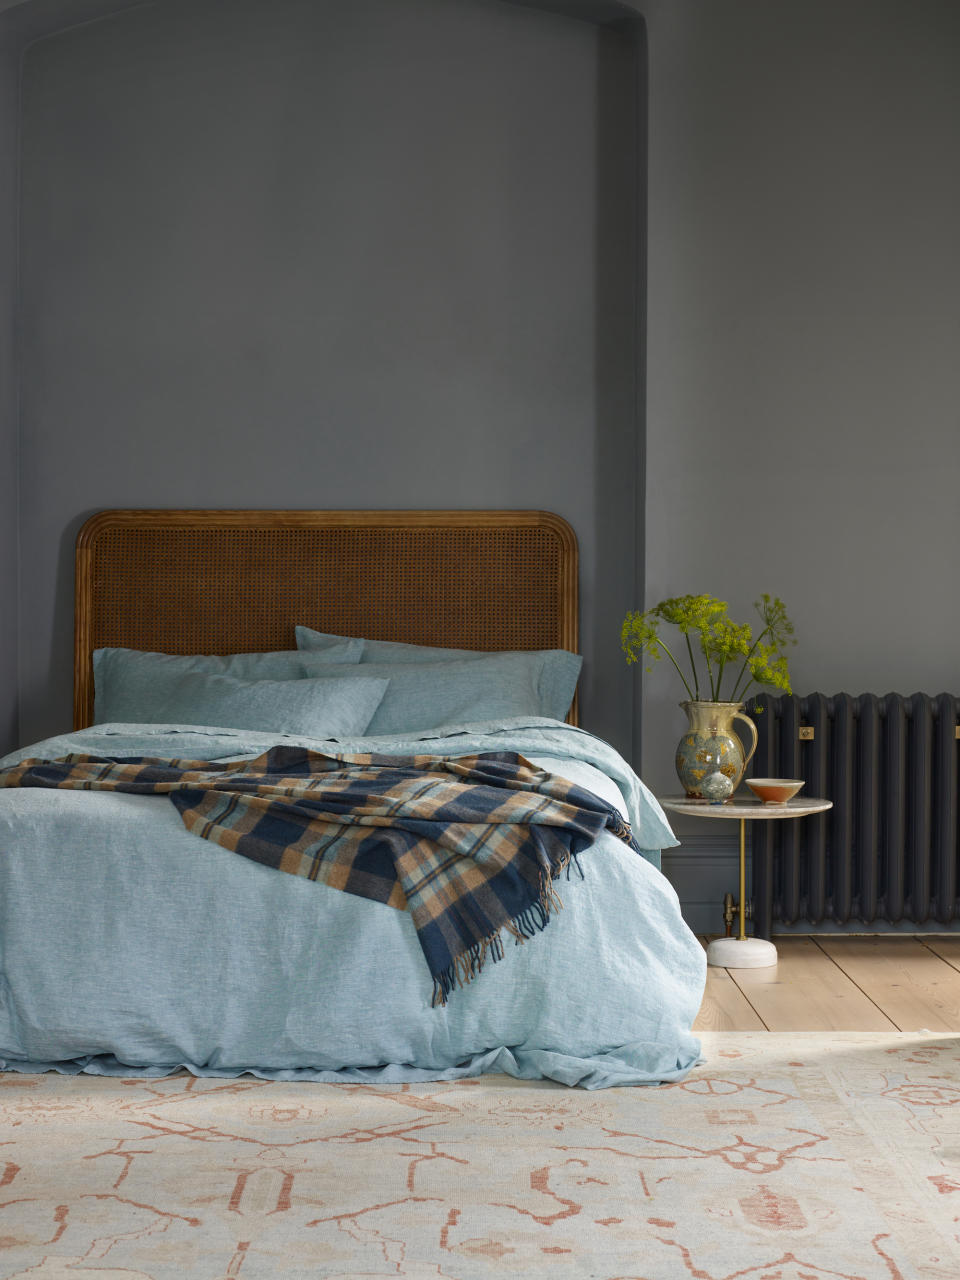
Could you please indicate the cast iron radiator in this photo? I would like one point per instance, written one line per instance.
(889, 848)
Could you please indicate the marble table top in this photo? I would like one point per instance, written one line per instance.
(745, 805)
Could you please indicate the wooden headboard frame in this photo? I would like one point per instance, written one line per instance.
(240, 581)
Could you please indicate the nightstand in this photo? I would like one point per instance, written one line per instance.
(743, 952)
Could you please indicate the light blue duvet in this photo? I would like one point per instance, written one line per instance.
(129, 946)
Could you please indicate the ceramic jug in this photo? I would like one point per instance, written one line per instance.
(711, 746)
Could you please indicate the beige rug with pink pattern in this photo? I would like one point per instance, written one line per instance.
(784, 1157)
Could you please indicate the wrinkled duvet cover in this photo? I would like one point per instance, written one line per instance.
(129, 946)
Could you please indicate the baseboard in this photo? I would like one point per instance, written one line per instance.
(877, 928)
(702, 869)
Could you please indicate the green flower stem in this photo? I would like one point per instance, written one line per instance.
(733, 696)
(723, 663)
(679, 672)
(706, 658)
(739, 697)
(693, 666)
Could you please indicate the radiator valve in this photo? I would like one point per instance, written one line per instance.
(729, 910)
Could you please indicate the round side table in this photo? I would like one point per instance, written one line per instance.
(743, 952)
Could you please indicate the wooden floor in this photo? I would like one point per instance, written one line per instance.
(832, 983)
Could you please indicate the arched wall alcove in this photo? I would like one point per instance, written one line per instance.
(282, 253)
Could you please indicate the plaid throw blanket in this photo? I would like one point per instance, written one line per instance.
(469, 846)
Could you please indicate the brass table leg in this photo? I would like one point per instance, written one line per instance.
(742, 952)
(743, 879)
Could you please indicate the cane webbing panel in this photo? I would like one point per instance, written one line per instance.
(240, 581)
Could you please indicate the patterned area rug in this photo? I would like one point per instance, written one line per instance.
(783, 1157)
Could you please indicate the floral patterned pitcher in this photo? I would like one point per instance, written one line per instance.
(710, 745)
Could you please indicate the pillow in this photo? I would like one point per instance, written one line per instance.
(556, 670)
(427, 695)
(123, 676)
(326, 708)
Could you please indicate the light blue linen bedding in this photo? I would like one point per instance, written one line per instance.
(129, 946)
(324, 707)
(426, 696)
(130, 683)
(555, 671)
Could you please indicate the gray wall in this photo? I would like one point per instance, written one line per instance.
(9, 678)
(803, 394)
(19, 24)
(803, 385)
(315, 255)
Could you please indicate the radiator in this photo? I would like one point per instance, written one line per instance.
(888, 850)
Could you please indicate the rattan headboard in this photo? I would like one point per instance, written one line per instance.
(239, 581)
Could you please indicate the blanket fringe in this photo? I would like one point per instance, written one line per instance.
(531, 921)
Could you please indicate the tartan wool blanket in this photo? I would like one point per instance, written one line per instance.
(469, 845)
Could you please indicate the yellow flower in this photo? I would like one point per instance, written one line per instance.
(722, 643)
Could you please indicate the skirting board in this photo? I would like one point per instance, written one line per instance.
(702, 869)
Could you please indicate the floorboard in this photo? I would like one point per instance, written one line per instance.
(807, 991)
(841, 983)
(914, 986)
(946, 948)
(725, 1007)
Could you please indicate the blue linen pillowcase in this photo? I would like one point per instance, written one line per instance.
(124, 678)
(328, 708)
(555, 671)
(428, 695)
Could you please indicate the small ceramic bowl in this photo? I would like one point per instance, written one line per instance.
(774, 790)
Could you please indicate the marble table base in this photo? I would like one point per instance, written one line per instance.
(741, 953)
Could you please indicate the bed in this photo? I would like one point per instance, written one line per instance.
(130, 945)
